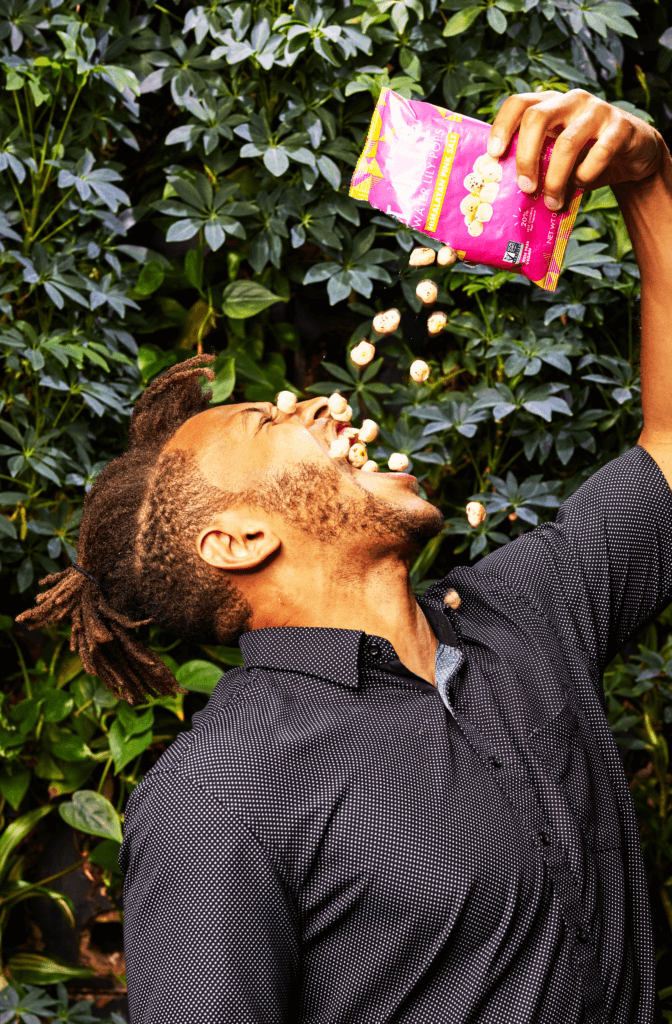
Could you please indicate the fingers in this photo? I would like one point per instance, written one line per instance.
(509, 117)
(614, 139)
(566, 154)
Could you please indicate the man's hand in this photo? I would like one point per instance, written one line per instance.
(597, 144)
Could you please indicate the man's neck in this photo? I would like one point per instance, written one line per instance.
(376, 598)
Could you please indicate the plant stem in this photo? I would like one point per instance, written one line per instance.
(67, 195)
(43, 155)
(24, 670)
(59, 874)
(60, 228)
(104, 774)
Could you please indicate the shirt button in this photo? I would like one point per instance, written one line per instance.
(374, 651)
(545, 838)
(581, 934)
(495, 762)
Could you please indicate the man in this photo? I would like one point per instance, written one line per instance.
(396, 810)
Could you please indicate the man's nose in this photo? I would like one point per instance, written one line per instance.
(311, 410)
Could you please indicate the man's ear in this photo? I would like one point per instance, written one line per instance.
(237, 540)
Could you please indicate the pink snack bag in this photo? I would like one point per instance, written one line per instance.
(429, 168)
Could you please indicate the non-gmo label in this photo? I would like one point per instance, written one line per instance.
(513, 252)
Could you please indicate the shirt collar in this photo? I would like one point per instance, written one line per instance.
(334, 654)
(329, 653)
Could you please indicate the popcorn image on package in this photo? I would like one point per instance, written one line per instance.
(429, 168)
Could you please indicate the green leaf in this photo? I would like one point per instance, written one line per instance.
(106, 855)
(71, 748)
(17, 831)
(14, 787)
(92, 813)
(225, 379)
(600, 199)
(57, 705)
(150, 278)
(37, 969)
(243, 299)
(461, 21)
(276, 160)
(125, 749)
(199, 676)
(496, 20)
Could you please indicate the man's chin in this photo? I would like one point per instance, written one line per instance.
(395, 503)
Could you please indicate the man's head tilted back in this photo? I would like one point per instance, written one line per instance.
(209, 522)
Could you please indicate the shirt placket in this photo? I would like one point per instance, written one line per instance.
(531, 817)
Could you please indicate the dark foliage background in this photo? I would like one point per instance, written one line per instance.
(174, 178)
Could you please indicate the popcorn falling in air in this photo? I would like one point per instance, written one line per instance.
(452, 599)
(446, 256)
(357, 455)
(339, 448)
(398, 462)
(475, 513)
(351, 433)
(363, 353)
(427, 292)
(484, 212)
(337, 404)
(475, 228)
(419, 371)
(368, 431)
(436, 322)
(343, 417)
(370, 467)
(385, 323)
(489, 192)
(421, 257)
(286, 402)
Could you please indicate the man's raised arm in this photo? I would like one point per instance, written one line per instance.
(647, 209)
(601, 145)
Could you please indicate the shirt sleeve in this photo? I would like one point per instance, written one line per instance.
(604, 567)
(209, 931)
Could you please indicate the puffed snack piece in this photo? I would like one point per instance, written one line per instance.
(363, 353)
(436, 323)
(475, 513)
(337, 403)
(419, 371)
(427, 291)
(357, 456)
(421, 257)
(343, 417)
(368, 432)
(385, 323)
(398, 462)
(286, 402)
(446, 256)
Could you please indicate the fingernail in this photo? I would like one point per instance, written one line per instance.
(552, 203)
(495, 146)
(525, 183)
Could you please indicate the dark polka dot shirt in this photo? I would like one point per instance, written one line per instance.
(336, 841)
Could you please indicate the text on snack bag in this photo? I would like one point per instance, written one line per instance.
(445, 168)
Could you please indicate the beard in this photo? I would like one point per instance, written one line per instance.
(310, 497)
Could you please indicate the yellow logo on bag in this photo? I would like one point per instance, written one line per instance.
(442, 177)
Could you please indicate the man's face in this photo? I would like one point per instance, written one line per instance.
(280, 463)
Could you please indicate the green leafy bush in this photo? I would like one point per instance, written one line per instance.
(175, 179)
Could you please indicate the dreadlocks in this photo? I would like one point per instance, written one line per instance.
(139, 519)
